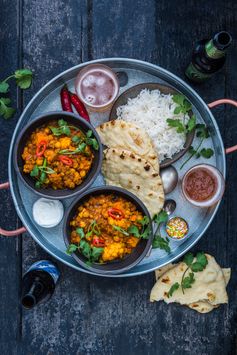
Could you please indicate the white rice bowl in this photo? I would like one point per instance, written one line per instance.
(150, 110)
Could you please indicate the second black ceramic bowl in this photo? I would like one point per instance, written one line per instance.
(117, 266)
(74, 120)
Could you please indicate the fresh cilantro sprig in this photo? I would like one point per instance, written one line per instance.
(23, 78)
(82, 142)
(158, 241)
(161, 243)
(202, 133)
(184, 107)
(90, 252)
(134, 230)
(40, 172)
(194, 266)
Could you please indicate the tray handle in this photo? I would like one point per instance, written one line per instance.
(220, 102)
(15, 232)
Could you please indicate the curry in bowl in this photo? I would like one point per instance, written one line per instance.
(107, 227)
(59, 155)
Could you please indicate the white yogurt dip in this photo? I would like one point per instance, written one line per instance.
(48, 213)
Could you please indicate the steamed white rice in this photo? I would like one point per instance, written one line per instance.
(150, 110)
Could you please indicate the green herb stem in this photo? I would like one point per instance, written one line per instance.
(195, 152)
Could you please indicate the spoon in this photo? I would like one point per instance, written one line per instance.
(169, 177)
(169, 208)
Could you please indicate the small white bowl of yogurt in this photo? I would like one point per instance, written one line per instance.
(48, 213)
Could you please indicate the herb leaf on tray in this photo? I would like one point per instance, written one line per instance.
(202, 133)
(161, 243)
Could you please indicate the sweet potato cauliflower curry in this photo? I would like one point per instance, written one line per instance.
(59, 155)
(107, 227)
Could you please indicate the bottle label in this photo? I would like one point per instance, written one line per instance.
(194, 74)
(47, 266)
(212, 51)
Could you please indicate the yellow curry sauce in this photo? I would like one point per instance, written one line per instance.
(104, 221)
(57, 156)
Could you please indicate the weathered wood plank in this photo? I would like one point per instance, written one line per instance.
(10, 248)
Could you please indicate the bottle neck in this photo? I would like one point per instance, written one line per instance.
(212, 51)
(216, 47)
(34, 295)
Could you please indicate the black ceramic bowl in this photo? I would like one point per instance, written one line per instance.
(72, 119)
(164, 89)
(116, 266)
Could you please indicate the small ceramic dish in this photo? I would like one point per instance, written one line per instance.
(185, 225)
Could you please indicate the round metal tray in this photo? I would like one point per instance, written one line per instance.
(130, 72)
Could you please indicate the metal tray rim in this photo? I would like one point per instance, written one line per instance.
(131, 61)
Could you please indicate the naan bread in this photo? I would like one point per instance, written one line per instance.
(200, 306)
(126, 135)
(209, 285)
(129, 171)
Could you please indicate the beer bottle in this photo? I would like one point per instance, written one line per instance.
(39, 283)
(208, 57)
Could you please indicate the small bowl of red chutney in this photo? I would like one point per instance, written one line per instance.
(203, 185)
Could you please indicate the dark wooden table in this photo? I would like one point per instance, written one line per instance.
(91, 315)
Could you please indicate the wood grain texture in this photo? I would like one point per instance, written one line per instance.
(90, 315)
(10, 248)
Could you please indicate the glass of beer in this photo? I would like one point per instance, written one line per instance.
(97, 87)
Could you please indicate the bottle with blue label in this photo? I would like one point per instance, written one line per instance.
(38, 283)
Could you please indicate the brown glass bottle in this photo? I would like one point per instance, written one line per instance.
(208, 57)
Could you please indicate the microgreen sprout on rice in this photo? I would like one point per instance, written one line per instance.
(150, 110)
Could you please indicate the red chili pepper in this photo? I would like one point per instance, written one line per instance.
(66, 160)
(65, 99)
(40, 149)
(115, 213)
(98, 242)
(79, 106)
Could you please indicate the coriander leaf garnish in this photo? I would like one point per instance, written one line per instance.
(41, 173)
(191, 123)
(71, 248)
(188, 281)
(23, 79)
(173, 288)
(202, 133)
(161, 243)
(5, 110)
(134, 230)
(89, 133)
(161, 217)
(144, 221)
(35, 171)
(195, 264)
(176, 123)
(4, 87)
(93, 142)
(188, 259)
(184, 107)
(80, 232)
(76, 139)
(206, 153)
(96, 253)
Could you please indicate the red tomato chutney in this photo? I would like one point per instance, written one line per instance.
(200, 184)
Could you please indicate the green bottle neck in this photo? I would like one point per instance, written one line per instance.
(212, 51)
